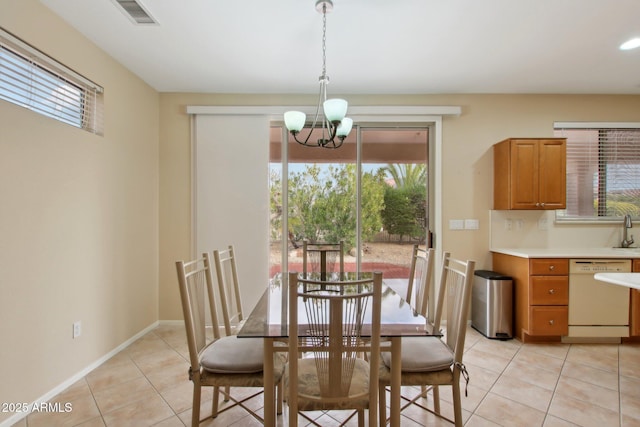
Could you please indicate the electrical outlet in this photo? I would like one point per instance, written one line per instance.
(508, 224)
(543, 224)
(519, 224)
(77, 329)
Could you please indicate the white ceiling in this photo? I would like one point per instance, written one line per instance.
(373, 46)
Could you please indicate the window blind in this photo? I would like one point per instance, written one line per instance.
(603, 172)
(33, 80)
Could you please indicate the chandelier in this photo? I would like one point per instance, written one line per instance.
(335, 126)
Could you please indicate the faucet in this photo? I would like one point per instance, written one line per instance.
(627, 224)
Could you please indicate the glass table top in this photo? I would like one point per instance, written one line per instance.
(270, 316)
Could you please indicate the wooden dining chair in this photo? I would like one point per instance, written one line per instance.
(230, 301)
(420, 276)
(229, 289)
(433, 361)
(418, 294)
(337, 331)
(217, 361)
(312, 257)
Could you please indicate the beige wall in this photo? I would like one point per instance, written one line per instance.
(91, 226)
(467, 178)
(78, 219)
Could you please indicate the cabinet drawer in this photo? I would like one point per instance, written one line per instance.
(548, 320)
(549, 290)
(549, 267)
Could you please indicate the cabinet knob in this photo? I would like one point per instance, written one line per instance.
(552, 291)
(552, 267)
(537, 204)
(542, 204)
(551, 322)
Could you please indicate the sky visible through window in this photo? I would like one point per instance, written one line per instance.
(24, 83)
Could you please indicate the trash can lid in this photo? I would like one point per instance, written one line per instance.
(491, 275)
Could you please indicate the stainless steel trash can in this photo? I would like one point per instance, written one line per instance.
(492, 304)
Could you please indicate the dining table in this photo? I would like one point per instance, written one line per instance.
(269, 320)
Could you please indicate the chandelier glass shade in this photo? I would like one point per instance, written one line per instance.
(330, 113)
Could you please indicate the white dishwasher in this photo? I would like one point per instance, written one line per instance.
(597, 309)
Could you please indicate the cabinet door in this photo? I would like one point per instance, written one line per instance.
(552, 174)
(548, 320)
(524, 174)
(549, 290)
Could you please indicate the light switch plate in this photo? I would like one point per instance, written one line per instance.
(471, 224)
(456, 224)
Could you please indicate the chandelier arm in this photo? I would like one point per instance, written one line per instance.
(321, 96)
(332, 128)
(335, 145)
(301, 142)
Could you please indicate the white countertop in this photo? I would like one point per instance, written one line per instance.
(624, 253)
(630, 280)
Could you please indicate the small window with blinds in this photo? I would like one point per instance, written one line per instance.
(33, 80)
(603, 171)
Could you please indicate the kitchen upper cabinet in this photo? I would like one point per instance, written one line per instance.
(530, 173)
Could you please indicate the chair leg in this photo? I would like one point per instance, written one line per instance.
(436, 399)
(227, 390)
(457, 404)
(280, 397)
(361, 417)
(195, 409)
(293, 408)
(382, 405)
(214, 402)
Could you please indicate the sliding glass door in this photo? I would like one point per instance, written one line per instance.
(371, 194)
(392, 225)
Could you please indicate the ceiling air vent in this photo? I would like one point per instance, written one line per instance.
(136, 12)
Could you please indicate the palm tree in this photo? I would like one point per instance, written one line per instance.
(407, 175)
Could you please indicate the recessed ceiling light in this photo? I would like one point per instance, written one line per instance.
(630, 44)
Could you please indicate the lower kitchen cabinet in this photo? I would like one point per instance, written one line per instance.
(541, 295)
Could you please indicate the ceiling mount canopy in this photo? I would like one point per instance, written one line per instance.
(335, 126)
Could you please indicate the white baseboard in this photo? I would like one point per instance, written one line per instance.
(73, 379)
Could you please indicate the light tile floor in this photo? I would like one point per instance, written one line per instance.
(512, 384)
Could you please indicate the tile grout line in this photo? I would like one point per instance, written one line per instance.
(154, 387)
(553, 395)
(619, 389)
(520, 347)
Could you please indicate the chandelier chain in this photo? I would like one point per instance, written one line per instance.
(324, 41)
